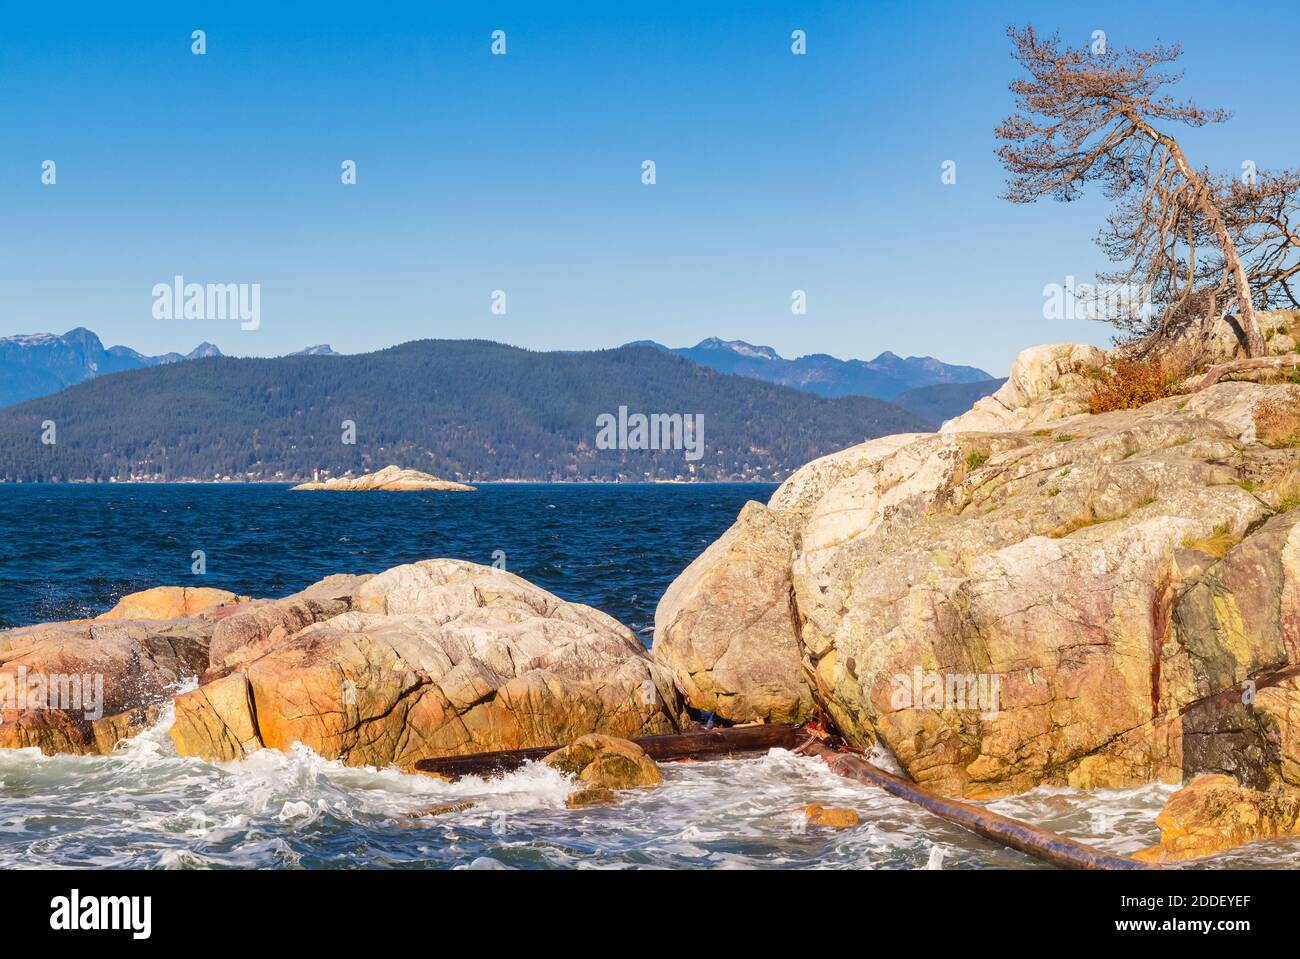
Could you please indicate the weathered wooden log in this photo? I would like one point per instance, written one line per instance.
(1039, 843)
(1218, 372)
(698, 744)
(706, 743)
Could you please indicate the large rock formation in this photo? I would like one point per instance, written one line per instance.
(245, 630)
(1046, 384)
(732, 640)
(432, 659)
(82, 686)
(388, 478)
(1035, 595)
(425, 660)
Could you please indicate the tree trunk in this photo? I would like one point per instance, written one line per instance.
(696, 744)
(1204, 201)
(1255, 345)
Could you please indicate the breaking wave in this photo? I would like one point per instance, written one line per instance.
(146, 807)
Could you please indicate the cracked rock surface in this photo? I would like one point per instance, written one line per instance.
(1046, 602)
(430, 659)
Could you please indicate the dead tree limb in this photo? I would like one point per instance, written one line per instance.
(1216, 373)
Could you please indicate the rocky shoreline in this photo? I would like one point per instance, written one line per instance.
(430, 659)
(1116, 595)
(1126, 582)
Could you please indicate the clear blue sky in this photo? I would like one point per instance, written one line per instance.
(477, 172)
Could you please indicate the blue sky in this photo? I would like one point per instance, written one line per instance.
(523, 172)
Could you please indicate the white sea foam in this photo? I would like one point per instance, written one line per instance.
(145, 806)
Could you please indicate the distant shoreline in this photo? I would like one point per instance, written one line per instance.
(291, 483)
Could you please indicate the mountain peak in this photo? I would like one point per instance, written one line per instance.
(739, 347)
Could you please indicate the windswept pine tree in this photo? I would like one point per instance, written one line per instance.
(1206, 245)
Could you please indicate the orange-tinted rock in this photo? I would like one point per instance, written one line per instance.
(442, 658)
(56, 680)
(591, 796)
(832, 816)
(606, 761)
(1213, 813)
(1018, 607)
(169, 602)
(726, 625)
(111, 731)
(216, 721)
(245, 635)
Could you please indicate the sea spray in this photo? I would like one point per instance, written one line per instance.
(146, 807)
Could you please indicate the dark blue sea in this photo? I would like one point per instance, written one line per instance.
(72, 551)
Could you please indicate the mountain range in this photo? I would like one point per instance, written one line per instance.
(885, 377)
(461, 409)
(43, 363)
(38, 365)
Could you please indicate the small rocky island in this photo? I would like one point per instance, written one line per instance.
(388, 478)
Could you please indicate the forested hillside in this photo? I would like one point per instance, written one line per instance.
(463, 409)
(943, 401)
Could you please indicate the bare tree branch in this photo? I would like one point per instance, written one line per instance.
(1187, 236)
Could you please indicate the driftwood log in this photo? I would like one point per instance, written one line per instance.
(699, 744)
(738, 740)
(1039, 843)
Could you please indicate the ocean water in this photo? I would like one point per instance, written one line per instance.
(68, 551)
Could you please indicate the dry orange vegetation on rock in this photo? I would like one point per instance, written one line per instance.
(1277, 421)
(1128, 384)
